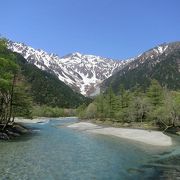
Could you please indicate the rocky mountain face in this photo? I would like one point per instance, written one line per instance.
(161, 63)
(83, 73)
(41, 87)
(88, 74)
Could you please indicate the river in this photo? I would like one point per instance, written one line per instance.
(55, 152)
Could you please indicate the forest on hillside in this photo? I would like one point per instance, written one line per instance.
(157, 106)
(26, 91)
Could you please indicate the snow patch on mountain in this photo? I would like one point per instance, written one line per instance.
(160, 49)
(83, 73)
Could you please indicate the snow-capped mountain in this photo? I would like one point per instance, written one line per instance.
(154, 55)
(83, 73)
(161, 63)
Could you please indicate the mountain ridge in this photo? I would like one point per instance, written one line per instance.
(161, 63)
(44, 88)
(83, 73)
(87, 74)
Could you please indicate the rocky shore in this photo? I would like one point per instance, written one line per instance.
(156, 138)
(13, 131)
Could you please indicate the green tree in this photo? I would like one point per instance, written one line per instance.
(139, 109)
(100, 104)
(155, 93)
(9, 95)
(112, 103)
(122, 105)
(8, 73)
(91, 111)
(22, 101)
(124, 97)
(168, 114)
(81, 110)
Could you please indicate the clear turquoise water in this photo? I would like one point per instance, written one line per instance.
(60, 153)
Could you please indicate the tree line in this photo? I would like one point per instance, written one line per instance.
(157, 104)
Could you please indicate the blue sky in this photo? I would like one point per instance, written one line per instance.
(110, 28)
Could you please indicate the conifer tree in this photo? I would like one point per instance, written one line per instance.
(111, 102)
(155, 93)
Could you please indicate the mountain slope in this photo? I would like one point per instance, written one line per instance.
(86, 73)
(83, 73)
(45, 88)
(161, 63)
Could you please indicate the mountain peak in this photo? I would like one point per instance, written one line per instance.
(83, 73)
(161, 63)
(77, 54)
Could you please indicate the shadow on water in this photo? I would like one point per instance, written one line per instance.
(166, 165)
(24, 137)
(34, 131)
(166, 169)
